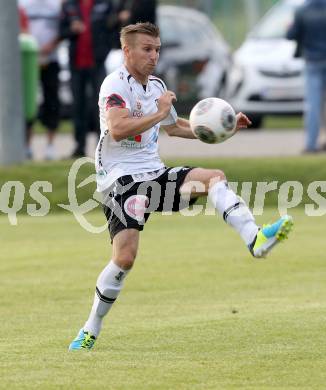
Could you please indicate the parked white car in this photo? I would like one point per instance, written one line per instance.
(265, 78)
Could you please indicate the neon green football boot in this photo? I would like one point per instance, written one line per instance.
(84, 340)
(270, 235)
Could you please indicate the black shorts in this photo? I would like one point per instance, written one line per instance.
(127, 203)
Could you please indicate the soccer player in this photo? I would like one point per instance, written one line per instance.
(134, 181)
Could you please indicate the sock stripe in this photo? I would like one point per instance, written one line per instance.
(104, 298)
(228, 211)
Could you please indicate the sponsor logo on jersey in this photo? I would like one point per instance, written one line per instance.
(137, 114)
(115, 100)
(136, 138)
(138, 105)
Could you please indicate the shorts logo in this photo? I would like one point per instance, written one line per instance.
(115, 100)
(135, 206)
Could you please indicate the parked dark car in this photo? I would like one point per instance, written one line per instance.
(194, 58)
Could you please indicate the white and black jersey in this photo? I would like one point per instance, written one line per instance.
(137, 155)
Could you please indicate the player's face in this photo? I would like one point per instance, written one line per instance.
(142, 55)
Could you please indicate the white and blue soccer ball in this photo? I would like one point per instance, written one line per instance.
(213, 120)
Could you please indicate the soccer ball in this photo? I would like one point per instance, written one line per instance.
(213, 120)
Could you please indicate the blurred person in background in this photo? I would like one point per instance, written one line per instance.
(43, 23)
(128, 12)
(88, 25)
(309, 31)
(138, 11)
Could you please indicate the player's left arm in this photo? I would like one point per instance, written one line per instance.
(182, 127)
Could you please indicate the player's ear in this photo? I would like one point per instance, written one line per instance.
(126, 51)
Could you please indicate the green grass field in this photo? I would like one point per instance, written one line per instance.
(197, 311)
(303, 169)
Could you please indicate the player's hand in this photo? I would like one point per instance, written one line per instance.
(242, 121)
(164, 103)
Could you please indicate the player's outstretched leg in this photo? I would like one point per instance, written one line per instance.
(236, 213)
(271, 235)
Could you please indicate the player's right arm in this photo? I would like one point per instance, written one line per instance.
(121, 125)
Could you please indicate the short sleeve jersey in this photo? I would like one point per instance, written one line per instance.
(137, 154)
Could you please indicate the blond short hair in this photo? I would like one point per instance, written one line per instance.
(128, 33)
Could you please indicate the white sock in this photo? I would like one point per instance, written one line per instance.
(108, 286)
(234, 211)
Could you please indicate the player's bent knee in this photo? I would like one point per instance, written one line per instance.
(126, 260)
(125, 246)
(216, 176)
(219, 174)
